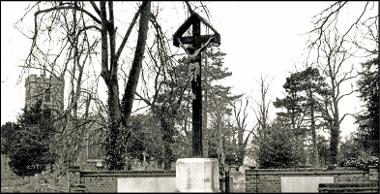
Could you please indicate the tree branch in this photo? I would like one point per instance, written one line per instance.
(69, 7)
(95, 8)
(127, 33)
(105, 73)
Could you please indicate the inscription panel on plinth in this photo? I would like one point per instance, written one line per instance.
(197, 175)
(194, 175)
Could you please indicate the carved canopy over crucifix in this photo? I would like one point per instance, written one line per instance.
(194, 19)
(195, 54)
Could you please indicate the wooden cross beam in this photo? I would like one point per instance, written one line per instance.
(204, 38)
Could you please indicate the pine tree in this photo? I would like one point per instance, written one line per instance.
(294, 114)
(220, 135)
(304, 92)
(368, 120)
(30, 151)
(315, 88)
(7, 136)
(277, 149)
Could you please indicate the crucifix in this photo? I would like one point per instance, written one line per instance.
(194, 51)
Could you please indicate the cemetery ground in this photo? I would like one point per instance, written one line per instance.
(48, 182)
(192, 132)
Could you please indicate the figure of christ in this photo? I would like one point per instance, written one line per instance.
(194, 66)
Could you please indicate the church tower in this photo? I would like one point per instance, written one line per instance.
(49, 90)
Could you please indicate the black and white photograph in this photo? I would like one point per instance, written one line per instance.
(190, 96)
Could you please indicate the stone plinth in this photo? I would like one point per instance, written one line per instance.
(197, 175)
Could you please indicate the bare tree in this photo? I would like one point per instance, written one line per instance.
(97, 20)
(328, 20)
(333, 60)
(262, 106)
(218, 122)
(165, 93)
(61, 46)
(332, 46)
(261, 112)
(240, 116)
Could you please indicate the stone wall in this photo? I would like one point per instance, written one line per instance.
(107, 181)
(373, 174)
(269, 180)
(370, 187)
(242, 180)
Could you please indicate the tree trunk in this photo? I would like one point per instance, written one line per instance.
(315, 158)
(334, 144)
(241, 146)
(115, 149)
(168, 129)
(134, 73)
(220, 148)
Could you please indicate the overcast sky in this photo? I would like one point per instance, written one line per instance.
(259, 38)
